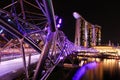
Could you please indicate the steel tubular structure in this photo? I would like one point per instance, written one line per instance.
(33, 23)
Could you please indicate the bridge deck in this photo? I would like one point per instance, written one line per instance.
(11, 66)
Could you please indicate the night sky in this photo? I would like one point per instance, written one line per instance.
(106, 14)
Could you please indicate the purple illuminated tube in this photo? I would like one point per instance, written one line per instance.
(81, 71)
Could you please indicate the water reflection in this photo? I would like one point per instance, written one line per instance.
(105, 69)
(81, 71)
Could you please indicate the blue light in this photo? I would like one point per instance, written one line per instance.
(9, 20)
(1, 31)
(81, 71)
(79, 74)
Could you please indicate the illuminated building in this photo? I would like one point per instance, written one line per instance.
(98, 35)
(86, 34)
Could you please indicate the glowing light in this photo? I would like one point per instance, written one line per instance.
(61, 58)
(81, 71)
(76, 15)
(1, 31)
(37, 40)
(60, 21)
(58, 26)
(9, 20)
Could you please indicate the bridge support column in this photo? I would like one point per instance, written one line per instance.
(52, 28)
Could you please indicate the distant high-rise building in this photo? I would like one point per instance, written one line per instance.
(98, 34)
(86, 34)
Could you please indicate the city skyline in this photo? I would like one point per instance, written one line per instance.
(29, 37)
(105, 14)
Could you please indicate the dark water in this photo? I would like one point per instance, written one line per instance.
(91, 69)
(106, 69)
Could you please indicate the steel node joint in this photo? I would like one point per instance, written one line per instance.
(50, 37)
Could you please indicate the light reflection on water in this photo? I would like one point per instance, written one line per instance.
(106, 69)
(81, 71)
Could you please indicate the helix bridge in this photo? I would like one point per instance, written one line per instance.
(33, 23)
(31, 28)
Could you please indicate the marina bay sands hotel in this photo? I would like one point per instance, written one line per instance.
(86, 34)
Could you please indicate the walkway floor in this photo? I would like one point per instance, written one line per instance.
(15, 64)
